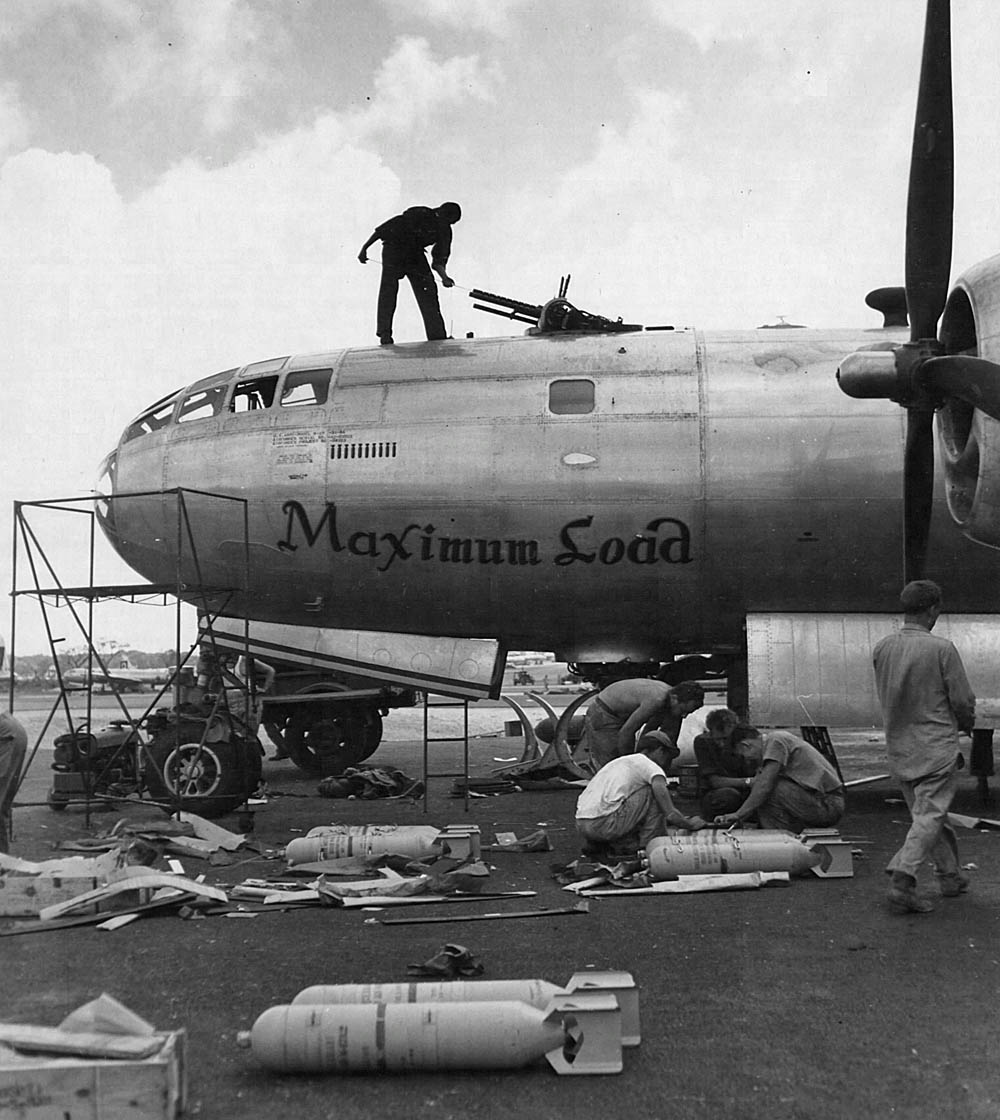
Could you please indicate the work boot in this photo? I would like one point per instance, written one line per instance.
(953, 883)
(386, 340)
(903, 898)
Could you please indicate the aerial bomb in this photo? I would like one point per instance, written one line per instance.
(575, 1034)
(536, 993)
(714, 852)
(341, 841)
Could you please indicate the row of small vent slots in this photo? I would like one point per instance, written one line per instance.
(363, 450)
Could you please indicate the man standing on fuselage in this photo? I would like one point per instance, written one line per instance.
(404, 238)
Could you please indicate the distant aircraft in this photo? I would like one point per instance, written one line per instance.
(120, 675)
(635, 499)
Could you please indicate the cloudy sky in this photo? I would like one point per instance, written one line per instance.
(184, 184)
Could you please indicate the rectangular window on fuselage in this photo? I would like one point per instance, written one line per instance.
(305, 386)
(155, 419)
(249, 396)
(571, 396)
(202, 405)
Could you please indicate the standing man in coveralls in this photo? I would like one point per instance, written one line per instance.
(926, 704)
(404, 238)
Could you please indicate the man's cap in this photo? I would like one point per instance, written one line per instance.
(655, 740)
(920, 594)
(450, 211)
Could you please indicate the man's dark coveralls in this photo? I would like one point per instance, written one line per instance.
(403, 240)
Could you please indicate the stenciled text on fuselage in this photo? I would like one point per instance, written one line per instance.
(664, 540)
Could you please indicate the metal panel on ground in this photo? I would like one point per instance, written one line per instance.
(817, 668)
(470, 667)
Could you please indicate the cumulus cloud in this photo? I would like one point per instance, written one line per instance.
(215, 54)
(410, 84)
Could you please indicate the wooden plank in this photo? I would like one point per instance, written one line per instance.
(153, 880)
(84, 1044)
(93, 919)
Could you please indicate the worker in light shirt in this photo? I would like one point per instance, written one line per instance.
(628, 798)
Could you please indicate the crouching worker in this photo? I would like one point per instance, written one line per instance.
(628, 799)
(795, 786)
(724, 775)
(624, 708)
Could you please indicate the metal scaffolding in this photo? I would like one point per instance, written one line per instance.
(43, 584)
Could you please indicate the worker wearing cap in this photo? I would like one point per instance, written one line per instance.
(624, 708)
(927, 702)
(628, 799)
(404, 239)
(13, 748)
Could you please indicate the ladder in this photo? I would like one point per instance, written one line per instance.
(435, 702)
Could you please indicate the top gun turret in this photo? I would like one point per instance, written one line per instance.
(550, 318)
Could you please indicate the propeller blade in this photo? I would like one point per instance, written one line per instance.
(930, 201)
(973, 380)
(918, 490)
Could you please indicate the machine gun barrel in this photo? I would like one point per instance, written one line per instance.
(517, 307)
(504, 314)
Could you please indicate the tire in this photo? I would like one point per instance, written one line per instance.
(332, 737)
(209, 779)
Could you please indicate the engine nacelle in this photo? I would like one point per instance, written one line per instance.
(970, 440)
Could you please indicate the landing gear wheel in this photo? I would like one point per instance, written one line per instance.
(209, 779)
(329, 740)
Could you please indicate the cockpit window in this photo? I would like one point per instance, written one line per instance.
(306, 386)
(157, 417)
(571, 396)
(202, 405)
(248, 396)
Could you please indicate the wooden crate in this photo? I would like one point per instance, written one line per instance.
(23, 896)
(60, 1088)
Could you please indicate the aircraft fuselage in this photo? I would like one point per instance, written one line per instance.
(600, 496)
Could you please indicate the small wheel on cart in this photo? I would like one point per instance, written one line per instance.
(209, 779)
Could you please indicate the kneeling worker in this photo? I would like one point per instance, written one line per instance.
(795, 786)
(724, 776)
(629, 794)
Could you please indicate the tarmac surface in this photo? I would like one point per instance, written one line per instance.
(810, 1000)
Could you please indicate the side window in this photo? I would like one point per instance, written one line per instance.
(202, 405)
(572, 396)
(248, 396)
(155, 419)
(306, 386)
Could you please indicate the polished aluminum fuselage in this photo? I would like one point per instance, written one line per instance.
(438, 492)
